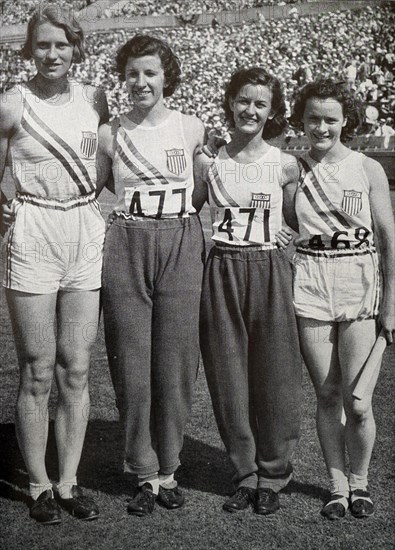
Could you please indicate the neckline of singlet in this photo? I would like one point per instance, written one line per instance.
(26, 90)
(131, 124)
(228, 157)
(333, 162)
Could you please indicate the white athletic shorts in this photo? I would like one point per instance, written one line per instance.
(336, 285)
(54, 245)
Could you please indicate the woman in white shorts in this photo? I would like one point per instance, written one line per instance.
(344, 209)
(53, 254)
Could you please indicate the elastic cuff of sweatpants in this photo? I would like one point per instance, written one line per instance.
(169, 469)
(151, 469)
(276, 484)
(250, 481)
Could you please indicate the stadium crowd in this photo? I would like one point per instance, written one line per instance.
(356, 46)
(13, 13)
(154, 7)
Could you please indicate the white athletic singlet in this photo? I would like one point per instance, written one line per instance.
(153, 169)
(332, 204)
(246, 200)
(56, 158)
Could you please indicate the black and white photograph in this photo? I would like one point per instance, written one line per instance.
(197, 300)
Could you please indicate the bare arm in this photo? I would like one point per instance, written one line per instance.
(102, 106)
(10, 116)
(200, 167)
(290, 176)
(104, 157)
(195, 134)
(383, 223)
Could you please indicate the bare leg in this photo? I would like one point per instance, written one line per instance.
(319, 350)
(78, 314)
(32, 317)
(356, 340)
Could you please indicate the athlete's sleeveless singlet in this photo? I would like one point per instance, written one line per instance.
(153, 169)
(336, 275)
(52, 154)
(246, 199)
(332, 204)
(56, 239)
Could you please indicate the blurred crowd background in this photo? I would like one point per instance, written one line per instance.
(356, 46)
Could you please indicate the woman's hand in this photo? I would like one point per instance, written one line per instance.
(283, 238)
(7, 216)
(387, 321)
(214, 142)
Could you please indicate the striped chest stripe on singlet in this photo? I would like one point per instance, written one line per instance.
(319, 200)
(218, 190)
(65, 154)
(136, 162)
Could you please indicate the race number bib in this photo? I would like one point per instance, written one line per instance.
(248, 225)
(353, 238)
(158, 202)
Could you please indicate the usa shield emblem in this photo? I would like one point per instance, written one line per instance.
(260, 200)
(176, 161)
(352, 202)
(88, 144)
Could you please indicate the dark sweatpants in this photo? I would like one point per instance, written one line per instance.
(152, 279)
(250, 349)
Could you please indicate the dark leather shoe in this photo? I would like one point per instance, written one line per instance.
(359, 507)
(143, 502)
(266, 501)
(45, 509)
(170, 498)
(80, 506)
(240, 500)
(333, 511)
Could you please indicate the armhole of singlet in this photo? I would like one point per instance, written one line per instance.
(115, 126)
(366, 179)
(279, 166)
(180, 117)
(22, 89)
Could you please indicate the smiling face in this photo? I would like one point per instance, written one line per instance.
(51, 51)
(145, 80)
(251, 108)
(323, 121)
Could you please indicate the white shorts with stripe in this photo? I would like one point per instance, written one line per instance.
(336, 285)
(54, 245)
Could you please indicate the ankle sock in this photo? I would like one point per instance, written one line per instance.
(63, 488)
(167, 481)
(36, 489)
(339, 485)
(358, 483)
(152, 479)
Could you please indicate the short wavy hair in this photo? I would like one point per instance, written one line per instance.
(144, 44)
(258, 76)
(61, 17)
(325, 88)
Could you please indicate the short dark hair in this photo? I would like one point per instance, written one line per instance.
(324, 88)
(258, 76)
(143, 44)
(61, 17)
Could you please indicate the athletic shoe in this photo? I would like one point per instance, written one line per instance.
(79, 505)
(359, 506)
(266, 501)
(45, 509)
(143, 502)
(170, 498)
(336, 508)
(240, 500)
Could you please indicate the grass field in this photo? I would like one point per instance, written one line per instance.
(204, 477)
